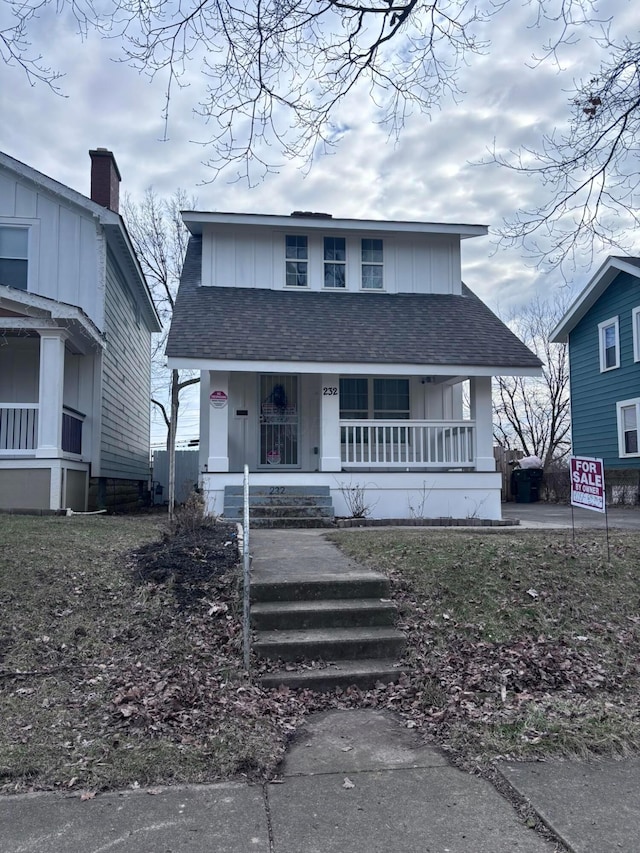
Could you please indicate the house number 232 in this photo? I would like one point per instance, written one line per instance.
(329, 392)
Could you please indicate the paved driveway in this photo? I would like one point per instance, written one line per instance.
(557, 515)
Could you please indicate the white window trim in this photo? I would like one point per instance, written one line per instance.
(635, 321)
(364, 264)
(623, 404)
(345, 264)
(297, 260)
(613, 321)
(33, 247)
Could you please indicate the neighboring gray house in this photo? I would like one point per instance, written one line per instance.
(76, 319)
(333, 354)
(602, 327)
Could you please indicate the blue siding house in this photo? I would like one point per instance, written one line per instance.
(602, 327)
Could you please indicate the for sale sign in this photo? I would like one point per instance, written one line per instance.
(587, 483)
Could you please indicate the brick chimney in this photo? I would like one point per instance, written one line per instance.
(105, 179)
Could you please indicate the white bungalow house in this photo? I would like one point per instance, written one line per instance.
(76, 318)
(335, 353)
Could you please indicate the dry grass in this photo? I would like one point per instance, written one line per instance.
(118, 670)
(522, 643)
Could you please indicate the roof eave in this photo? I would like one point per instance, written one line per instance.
(196, 220)
(590, 294)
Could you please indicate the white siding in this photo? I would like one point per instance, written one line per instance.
(62, 247)
(255, 257)
(125, 385)
(19, 370)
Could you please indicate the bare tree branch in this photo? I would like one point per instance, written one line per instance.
(532, 414)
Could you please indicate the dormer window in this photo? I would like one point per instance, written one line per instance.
(335, 262)
(372, 278)
(14, 254)
(297, 259)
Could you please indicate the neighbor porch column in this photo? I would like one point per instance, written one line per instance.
(218, 459)
(482, 414)
(330, 422)
(51, 391)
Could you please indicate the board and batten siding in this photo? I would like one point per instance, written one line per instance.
(63, 241)
(253, 257)
(594, 394)
(125, 383)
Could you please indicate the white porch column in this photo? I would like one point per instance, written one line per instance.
(218, 459)
(330, 423)
(482, 414)
(50, 396)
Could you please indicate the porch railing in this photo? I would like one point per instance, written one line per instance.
(18, 427)
(407, 444)
(72, 421)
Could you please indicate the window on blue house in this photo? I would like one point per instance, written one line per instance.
(14, 256)
(635, 319)
(297, 260)
(609, 333)
(628, 420)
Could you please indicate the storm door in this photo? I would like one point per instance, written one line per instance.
(279, 421)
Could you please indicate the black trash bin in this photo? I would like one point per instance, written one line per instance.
(526, 484)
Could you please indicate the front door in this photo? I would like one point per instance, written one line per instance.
(279, 421)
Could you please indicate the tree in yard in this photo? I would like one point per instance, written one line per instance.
(160, 240)
(530, 413)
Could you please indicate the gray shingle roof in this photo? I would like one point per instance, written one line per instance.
(258, 324)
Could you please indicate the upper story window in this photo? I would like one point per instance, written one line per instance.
(335, 262)
(635, 320)
(628, 419)
(609, 334)
(372, 278)
(14, 254)
(297, 258)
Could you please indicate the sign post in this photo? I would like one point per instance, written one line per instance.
(587, 487)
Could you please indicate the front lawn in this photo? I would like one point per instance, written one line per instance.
(121, 650)
(522, 643)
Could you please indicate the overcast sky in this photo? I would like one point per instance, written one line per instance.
(427, 175)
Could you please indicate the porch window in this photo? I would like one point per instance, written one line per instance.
(297, 260)
(628, 419)
(375, 399)
(335, 262)
(14, 254)
(609, 344)
(372, 278)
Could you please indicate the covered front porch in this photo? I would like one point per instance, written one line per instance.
(402, 445)
(47, 409)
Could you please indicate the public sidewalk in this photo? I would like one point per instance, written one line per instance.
(354, 782)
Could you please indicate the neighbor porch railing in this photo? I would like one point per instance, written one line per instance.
(407, 444)
(72, 421)
(19, 427)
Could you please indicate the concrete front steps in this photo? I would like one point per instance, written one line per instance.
(339, 630)
(281, 506)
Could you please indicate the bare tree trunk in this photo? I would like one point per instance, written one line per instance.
(171, 444)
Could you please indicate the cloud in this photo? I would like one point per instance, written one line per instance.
(430, 172)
